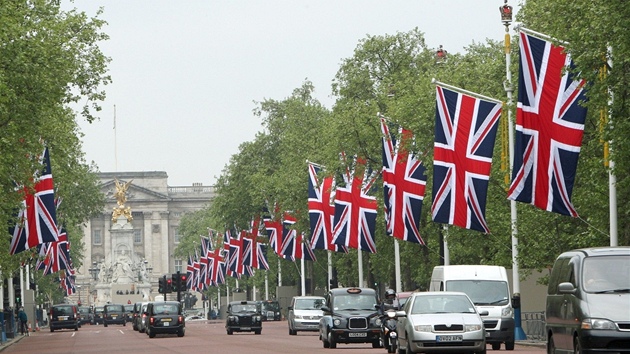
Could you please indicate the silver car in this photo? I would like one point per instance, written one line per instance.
(304, 313)
(440, 322)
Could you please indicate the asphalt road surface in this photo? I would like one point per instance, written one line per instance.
(201, 337)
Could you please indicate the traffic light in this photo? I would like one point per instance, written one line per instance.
(169, 285)
(182, 282)
(161, 285)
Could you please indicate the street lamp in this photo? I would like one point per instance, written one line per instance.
(79, 291)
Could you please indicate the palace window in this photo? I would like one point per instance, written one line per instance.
(137, 235)
(97, 237)
(178, 266)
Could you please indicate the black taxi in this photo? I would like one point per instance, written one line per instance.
(243, 316)
(351, 315)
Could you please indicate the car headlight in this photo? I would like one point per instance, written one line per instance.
(234, 319)
(507, 312)
(336, 322)
(257, 318)
(473, 328)
(422, 328)
(378, 322)
(297, 317)
(598, 323)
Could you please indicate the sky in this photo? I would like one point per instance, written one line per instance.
(187, 74)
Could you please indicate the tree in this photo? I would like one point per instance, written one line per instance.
(49, 60)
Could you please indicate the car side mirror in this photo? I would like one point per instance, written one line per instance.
(290, 308)
(566, 288)
(401, 314)
(326, 309)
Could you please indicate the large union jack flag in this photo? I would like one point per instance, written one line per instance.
(56, 256)
(321, 210)
(549, 127)
(216, 268)
(465, 131)
(355, 211)
(190, 273)
(404, 184)
(37, 219)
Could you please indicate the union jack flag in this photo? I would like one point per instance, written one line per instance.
(202, 281)
(274, 227)
(321, 210)
(235, 255)
(68, 284)
(216, 268)
(549, 127)
(404, 183)
(37, 219)
(303, 249)
(254, 252)
(288, 237)
(56, 256)
(355, 211)
(190, 273)
(465, 130)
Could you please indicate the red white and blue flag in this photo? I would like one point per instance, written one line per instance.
(288, 245)
(274, 228)
(465, 132)
(254, 254)
(549, 127)
(303, 248)
(68, 284)
(190, 273)
(37, 219)
(216, 268)
(355, 211)
(56, 256)
(404, 184)
(321, 210)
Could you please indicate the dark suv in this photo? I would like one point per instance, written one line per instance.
(270, 310)
(243, 316)
(64, 316)
(351, 315)
(114, 314)
(86, 315)
(165, 317)
(98, 315)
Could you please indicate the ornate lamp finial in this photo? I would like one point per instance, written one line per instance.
(506, 13)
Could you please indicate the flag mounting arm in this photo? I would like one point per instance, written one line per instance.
(470, 93)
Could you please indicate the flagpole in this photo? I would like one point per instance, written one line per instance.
(397, 265)
(302, 276)
(447, 254)
(469, 93)
(22, 285)
(612, 178)
(115, 144)
(360, 261)
(519, 334)
(329, 268)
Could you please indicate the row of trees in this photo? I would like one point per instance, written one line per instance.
(50, 62)
(392, 74)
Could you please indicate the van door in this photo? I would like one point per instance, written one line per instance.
(555, 307)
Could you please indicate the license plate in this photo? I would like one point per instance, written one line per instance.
(166, 320)
(357, 334)
(114, 316)
(63, 318)
(442, 339)
(166, 323)
(246, 328)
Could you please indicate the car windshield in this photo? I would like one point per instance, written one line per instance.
(98, 309)
(165, 309)
(114, 308)
(424, 304)
(481, 292)
(270, 306)
(63, 310)
(354, 302)
(129, 308)
(607, 274)
(308, 304)
(244, 308)
(84, 310)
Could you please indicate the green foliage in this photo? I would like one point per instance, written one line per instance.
(49, 60)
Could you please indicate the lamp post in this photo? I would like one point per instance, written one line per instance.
(94, 270)
(79, 291)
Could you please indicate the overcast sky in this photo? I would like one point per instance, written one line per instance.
(186, 73)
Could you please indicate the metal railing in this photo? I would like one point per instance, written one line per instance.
(534, 325)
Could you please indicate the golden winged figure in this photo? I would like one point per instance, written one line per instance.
(121, 198)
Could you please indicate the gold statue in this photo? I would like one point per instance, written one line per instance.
(121, 198)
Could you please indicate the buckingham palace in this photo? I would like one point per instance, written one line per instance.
(130, 244)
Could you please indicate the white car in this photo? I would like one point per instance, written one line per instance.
(304, 313)
(440, 322)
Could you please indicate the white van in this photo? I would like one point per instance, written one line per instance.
(488, 288)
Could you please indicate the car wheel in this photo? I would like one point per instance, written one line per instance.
(105, 324)
(332, 341)
(325, 343)
(141, 330)
(76, 328)
(52, 329)
(229, 332)
(551, 346)
(496, 346)
(577, 348)
(124, 324)
(258, 331)
(180, 333)
(509, 345)
(377, 344)
(151, 334)
(292, 332)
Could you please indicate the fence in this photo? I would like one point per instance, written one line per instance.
(534, 325)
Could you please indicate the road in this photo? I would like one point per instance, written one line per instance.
(201, 337)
